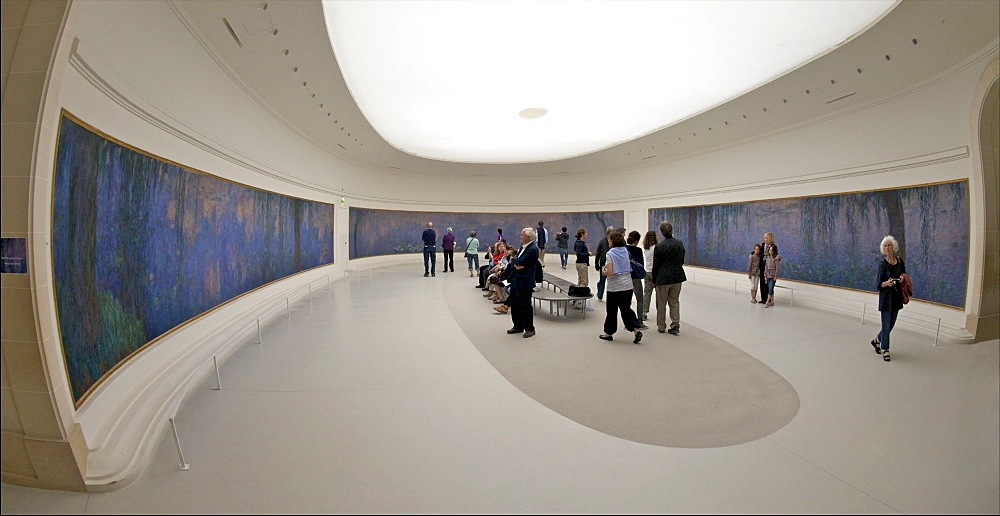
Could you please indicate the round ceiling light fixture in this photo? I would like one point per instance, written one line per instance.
(533, 112)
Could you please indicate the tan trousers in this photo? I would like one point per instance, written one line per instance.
(668, 295)
(583, 274)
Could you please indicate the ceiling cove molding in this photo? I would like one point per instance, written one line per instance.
(887, 167)
(988, 52)
(99, 75)
(817, 178)
(200, 38)
(87, 69)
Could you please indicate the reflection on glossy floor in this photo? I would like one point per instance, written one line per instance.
(371, 399)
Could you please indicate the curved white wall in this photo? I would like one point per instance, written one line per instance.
(137, 72)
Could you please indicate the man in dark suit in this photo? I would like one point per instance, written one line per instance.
(430, 242)
(668, 275)
(522, 284)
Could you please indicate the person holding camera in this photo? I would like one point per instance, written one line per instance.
(890, 293)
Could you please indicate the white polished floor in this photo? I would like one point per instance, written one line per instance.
(371, 399)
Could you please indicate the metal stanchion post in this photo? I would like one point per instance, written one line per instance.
(177, 441)
(218, 377)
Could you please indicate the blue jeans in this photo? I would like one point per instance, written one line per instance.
(473, 259)
(770, 286)
(431, 256)
(602, 279)
(888, 321)
(563, 256)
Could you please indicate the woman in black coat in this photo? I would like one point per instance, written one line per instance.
(890, 293)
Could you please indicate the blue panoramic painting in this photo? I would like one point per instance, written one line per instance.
(141, 245)
(382, 232)
(834, 239)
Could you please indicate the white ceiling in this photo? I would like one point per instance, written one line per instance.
(280, 51)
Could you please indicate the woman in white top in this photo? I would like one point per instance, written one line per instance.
(648, 243)
(618, 270)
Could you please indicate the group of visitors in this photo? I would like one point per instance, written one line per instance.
(894, 285)
(511, 275)
(542, 241)
(662, 264)
(762, 269)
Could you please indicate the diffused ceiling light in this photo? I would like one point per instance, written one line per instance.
(470, 81)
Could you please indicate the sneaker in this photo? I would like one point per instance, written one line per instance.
(674, 331)
(661, 330)
(426, 274)
(528, 334)
(643, 327)
(432, 274)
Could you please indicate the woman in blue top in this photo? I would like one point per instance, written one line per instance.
(890, 293)
(618, 270)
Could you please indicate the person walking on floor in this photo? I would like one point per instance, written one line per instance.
(562, 243)
(448, 249)
(542, 239)
(891, 283)
(522, 284)
(582, 258)
(636, 255)
(430, 243)
(668, 275)
(472, 253)
(600, 258)
(648, 244)
(765, 251)
(753, 271)
(618, 270)
(771, 273)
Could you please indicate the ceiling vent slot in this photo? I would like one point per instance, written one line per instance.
(232, 33)
(840, 98)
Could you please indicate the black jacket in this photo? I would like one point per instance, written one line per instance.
(668, 261)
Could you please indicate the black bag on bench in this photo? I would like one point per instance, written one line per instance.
(577, 291)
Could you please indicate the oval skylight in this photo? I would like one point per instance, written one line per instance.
(449, 80)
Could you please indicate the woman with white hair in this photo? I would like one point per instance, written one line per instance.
(448, 247)
(890, 293)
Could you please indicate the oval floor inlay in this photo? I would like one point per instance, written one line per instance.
(688, 391)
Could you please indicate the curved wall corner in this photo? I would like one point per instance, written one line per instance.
(105, 442)
(984, 320)
(42, 445)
